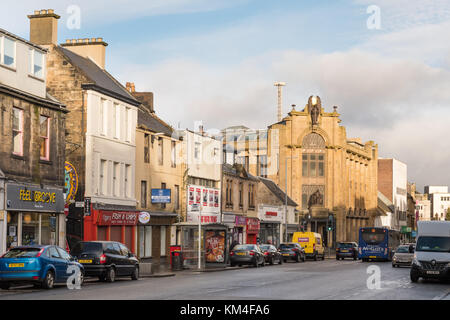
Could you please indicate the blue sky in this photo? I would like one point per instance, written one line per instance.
(216, 61)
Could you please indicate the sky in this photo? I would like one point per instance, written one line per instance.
(384, 63)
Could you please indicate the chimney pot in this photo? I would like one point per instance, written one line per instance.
(43, 11)
(51, 11)
(100, 39)
(36, 12)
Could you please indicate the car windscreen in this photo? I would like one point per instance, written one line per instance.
(433, 244)
(265, 247)
(345, 245)
(373, 236)
(287, 246)
(22, 253)
(87, 247)
(403, 249)
(244, 247)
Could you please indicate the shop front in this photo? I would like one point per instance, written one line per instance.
(271, 218)
(112, 225)
(34, 215)
(252, 230)
(240, 225)
(154, 235)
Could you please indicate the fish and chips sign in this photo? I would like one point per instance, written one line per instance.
(117, 218)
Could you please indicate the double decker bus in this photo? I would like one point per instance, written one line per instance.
(377, 243)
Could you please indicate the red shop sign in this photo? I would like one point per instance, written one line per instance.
(252, 224)
(117, 218)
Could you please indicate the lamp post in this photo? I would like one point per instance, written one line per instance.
(285, 199)
(200, 237)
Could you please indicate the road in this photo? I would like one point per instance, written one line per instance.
(329, 280)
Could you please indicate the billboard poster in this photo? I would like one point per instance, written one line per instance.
(211, 198)
(191, 196)
(216, 199)
(205, 197)
(215, 246)
(198, 195)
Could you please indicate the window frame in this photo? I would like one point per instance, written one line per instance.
(21, 126)
(47, 138)
(2, 52)
(31, 69)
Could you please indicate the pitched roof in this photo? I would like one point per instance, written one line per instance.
(276, 190)
(153, 123)
(101, 80)
(237, 170)
(384, 203)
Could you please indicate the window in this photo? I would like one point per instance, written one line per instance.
(146, 148)
(127, 181)
(251, 199)
(17, 128)
(116, 179)
(313, 165)
(143, 194)
(177, 197)
(44, 136)
(127, 125)
(8, 52)
(173, 155)
(197, 151)
(163, 186)
(116, 121)
(103, 121)
(241, 198)
(160, 151)
(36, 63)
(262, 166)
(102, 180)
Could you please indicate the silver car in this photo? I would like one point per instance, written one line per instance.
(403, 256)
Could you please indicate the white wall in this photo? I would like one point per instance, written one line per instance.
(436, 189)
(424, 208)
(106, 146)
(18, 77)
(440, 202)
(399, 188)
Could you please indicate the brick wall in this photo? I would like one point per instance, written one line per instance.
(385, 177)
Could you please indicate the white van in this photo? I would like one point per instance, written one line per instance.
(432, 255)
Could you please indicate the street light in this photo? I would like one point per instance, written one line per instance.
(285, 199)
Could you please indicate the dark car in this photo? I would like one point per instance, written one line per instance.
(106, 260)
(347, 250)
(40, 265)
(271, 254)
(247, 254)
(292, 251)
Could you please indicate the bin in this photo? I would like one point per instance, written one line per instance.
(176, 258)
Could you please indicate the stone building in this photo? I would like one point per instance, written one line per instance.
(100, 135)
(159, 180)
(325, 171)
(32, 148)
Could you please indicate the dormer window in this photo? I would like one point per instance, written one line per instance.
(36, 64)
(8, 52)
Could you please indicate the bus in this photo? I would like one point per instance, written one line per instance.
(377, 243)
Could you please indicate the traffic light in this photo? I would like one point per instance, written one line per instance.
(330, 222)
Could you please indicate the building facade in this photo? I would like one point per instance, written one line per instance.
(440, 201)
(32, 135)
(101, 129)
(158, 183)
(323, 171)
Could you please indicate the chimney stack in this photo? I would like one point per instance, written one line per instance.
(44, 27)
(94, 48)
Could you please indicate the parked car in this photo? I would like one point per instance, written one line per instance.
(403, 256)
(247, 254)
(311, 242)
(292, 251)
(271, 254)
(106, 260)
(347, 250)
(40, 265)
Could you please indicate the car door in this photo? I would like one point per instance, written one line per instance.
(67, 260)
(128, 259)
(118, 259)
(59, 263)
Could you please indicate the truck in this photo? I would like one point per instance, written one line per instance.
(432, 255)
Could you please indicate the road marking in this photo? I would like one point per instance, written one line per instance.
(442, 296)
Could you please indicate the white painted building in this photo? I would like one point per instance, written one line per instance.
(440, 201)
(110, 150)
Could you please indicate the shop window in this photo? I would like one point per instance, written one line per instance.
(145, 241)
(30, 229)
(12, 230)
(163, 240)
(49, 232)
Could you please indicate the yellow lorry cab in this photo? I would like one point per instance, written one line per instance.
(312, 243)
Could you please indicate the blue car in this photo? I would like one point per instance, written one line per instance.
(41, 265)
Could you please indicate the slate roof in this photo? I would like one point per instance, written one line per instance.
(234, 170)
(276, 190)
(151, 122)
(100, 79)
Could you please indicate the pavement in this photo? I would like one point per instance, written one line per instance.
(316, 280)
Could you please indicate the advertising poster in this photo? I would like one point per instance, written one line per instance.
(211, 197)
(216, 199)
(215, 246)
(191, 196)
(205, 198)
(198, 195)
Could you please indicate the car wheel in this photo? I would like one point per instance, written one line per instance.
(135, 274)
(5, 286)
(111, 275)
(414, 277)
(49, 280)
